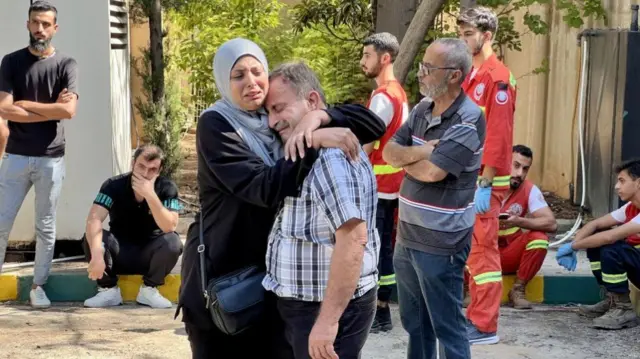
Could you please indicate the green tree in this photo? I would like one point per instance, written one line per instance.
(358, 15)
(163, 111)
(206, 24)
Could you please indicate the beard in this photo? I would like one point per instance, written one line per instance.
(515, 184)
(374, 72)
(40, 45)
(433, 91)
(478, 48)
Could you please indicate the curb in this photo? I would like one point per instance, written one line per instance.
(76, 287)
(551, 290)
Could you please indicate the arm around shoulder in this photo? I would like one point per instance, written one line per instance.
(240, 172)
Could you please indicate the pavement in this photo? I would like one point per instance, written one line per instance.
(69, 331)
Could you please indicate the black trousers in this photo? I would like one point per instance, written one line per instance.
(614, 265)
(265, 341)
(299, 318)
(384, 224)
(153, 258)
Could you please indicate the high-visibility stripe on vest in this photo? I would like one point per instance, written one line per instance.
(388, 177)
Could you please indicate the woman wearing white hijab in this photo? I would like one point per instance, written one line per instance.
(242, 178)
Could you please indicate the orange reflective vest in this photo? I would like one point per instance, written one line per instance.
(389, 177)
(516, 205)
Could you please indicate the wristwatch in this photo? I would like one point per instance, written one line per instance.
(484, 183)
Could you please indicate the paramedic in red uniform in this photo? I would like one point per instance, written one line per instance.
(523, 237)
(493, 88)
(389, 102)
(613, 248)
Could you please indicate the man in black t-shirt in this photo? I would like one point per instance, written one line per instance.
(143, 216)
(38, 90)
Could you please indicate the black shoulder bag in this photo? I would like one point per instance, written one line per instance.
(235, 301)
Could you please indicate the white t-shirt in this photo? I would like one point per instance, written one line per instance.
(536, 199)
(620, 215)
(535, 202)
(382, 106)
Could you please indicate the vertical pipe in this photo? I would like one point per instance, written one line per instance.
(634, 17)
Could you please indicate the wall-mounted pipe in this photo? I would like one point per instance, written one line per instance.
(634, 17)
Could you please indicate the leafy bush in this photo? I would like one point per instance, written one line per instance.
(164, 122)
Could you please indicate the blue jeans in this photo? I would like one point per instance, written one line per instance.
(430, 297)
(17, 175)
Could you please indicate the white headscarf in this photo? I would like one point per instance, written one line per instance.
(251, 126)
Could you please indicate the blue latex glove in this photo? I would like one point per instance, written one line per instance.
(482, 199)
(568, 262)
(564, 250)
(563, 262)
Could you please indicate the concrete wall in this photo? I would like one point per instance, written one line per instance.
(83, 34)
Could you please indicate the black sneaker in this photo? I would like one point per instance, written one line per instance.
(382, 320)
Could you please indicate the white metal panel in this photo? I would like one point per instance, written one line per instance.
(84, 35)
(121, 110)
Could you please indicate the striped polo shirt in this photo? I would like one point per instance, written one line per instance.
(438, 217)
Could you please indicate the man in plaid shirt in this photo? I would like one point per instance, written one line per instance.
(322, 256)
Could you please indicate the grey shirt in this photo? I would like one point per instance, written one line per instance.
(438, 217)
(30, 78)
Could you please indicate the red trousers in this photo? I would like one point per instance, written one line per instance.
(483, 264)
(524, 254)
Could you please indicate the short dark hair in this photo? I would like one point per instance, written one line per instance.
(480, 17)
(523, 150)
(43, 6)
(384, 42)
(149, 152)
(632, 167)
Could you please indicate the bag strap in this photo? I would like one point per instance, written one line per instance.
(203, 269)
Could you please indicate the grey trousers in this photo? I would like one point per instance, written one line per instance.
(17, 175)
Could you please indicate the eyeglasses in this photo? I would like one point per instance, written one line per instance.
(428, 70)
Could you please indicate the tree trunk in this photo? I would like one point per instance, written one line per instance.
(414, 38)
(397, 16)
(466, 4)
(157, 50)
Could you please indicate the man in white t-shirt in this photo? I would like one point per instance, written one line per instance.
(525, 220)
(613, 248)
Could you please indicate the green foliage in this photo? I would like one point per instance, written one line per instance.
(202, 26)
(353, 17)
(164, 122)
(336, 62)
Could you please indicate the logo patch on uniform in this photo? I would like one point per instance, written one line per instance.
(478, 92)
(515, 210)
(502, 97)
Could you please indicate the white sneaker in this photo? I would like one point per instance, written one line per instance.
(106, 297)
(38, 298)
(151, 297)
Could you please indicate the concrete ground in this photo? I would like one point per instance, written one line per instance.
(69, 331)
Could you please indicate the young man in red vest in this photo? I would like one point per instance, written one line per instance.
(523, 252)
(613, 248)
(389, 102)
(492, 86)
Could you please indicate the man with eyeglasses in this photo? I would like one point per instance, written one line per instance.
(492, 86)
(438, 147)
